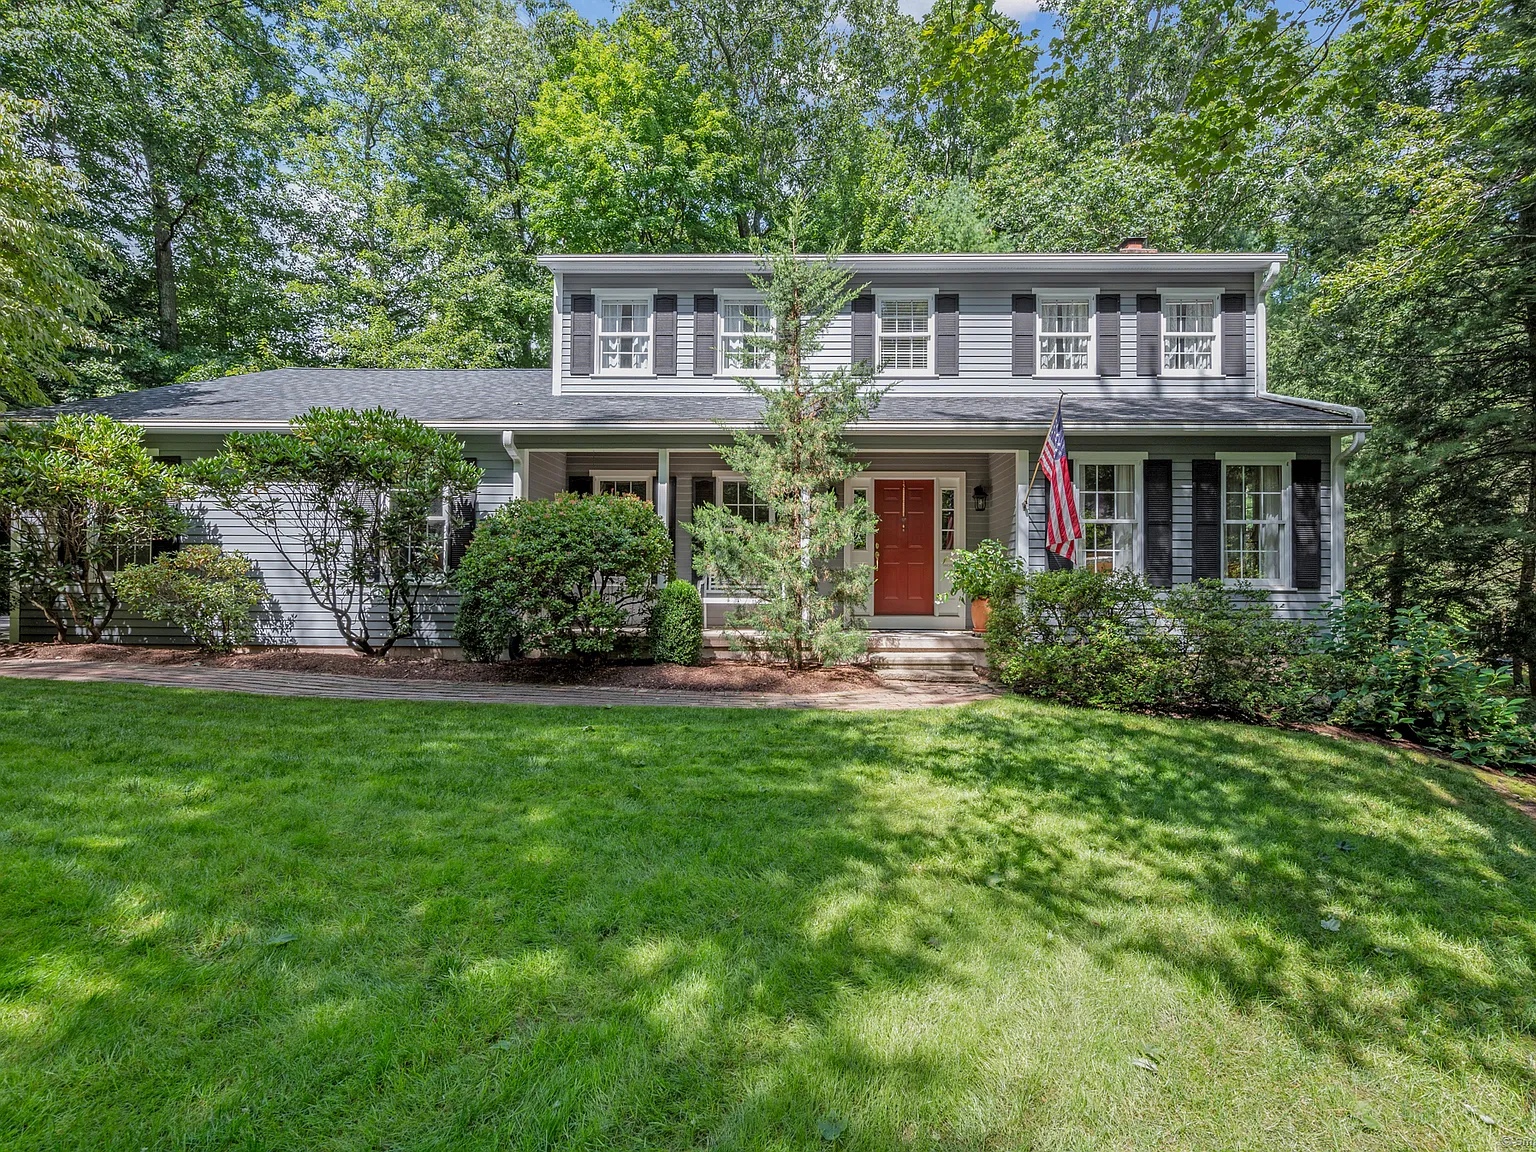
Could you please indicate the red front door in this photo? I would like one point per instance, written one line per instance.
(904, 548)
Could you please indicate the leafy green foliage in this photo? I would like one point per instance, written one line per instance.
(628, 152)
(796, 466)
(990, 572)
(677, 624)
(1110, 640)
(45, 299)
(1404, 675)
(79, 496)
(344, 497)
(211, 594)
(562, 577)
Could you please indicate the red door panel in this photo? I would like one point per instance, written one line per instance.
(904, 548)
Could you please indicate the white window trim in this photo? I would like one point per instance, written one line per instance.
(945, 602)
(721, 478)
(1138, 501)
(650, 481)
(881, 299)
(601, 296)
(724, 297)
(1285, 581)
(1045, 296)
(1181, 294)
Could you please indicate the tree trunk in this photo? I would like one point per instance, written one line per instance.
(165, 267)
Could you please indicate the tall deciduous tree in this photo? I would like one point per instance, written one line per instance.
(629, 153)
(796, 466)
(45, 299)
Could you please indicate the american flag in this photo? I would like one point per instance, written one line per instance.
(1063, 529)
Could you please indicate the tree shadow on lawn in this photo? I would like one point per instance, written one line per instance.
(573, 927)
(1251, 840)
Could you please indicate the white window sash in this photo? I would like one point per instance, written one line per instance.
(1191, 338)
(1052, 344)
(641, 341)
(1134, 522)
(1281, 527)
(913, 340)
(728, 337)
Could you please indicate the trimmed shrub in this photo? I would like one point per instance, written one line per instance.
(210, 594)
(1407, 676)
(677, 625)
(562, 577)
(1112, 641)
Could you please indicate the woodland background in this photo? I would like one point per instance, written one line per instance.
(196, 187)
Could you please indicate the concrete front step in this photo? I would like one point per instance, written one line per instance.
(930, 656)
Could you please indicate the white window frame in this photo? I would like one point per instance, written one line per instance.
(881, 301)
(1138, 528)
(625, 296)
(738, 297)
(1044, 296)
(724, 478)
(1284, 580)
(1182, 296)
(630, 476)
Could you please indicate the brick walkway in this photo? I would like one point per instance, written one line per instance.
(270, 683)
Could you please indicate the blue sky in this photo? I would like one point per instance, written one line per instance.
(1026, 12)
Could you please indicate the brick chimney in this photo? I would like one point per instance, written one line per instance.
(1136, 244)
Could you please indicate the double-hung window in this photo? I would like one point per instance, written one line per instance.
(905, 334)
(1189, 333)
(624, 334)
(1066, 334)
(1109, 514)
(746, 333)
(1254, 516)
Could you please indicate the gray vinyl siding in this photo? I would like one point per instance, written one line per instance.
(985, 334)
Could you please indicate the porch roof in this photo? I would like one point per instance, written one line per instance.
(521, 399)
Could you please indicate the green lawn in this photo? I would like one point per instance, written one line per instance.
(235, 922)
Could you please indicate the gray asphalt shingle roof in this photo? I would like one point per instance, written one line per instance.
(521, 398)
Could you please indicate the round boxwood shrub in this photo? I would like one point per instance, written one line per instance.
(677, 625)
(212, 594)
(561, 577)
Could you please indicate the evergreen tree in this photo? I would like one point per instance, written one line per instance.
(796, 466)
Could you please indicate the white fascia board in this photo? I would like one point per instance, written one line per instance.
(1114, 264)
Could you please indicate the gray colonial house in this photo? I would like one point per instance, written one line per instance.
(1187, 465)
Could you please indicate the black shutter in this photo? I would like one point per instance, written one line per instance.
(465, 513)
(706, 323)
(946, 334)
(1207, 523)
(1307, 524)
(1149, 335)
(583, 305)
(1024, 334)
(703, 493)
(1234, 334)
(665, 311)
(1157, 510)
(1107, 318)
(581, 485)
(864, 331)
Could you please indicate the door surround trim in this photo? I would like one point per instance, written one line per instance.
(943, 604)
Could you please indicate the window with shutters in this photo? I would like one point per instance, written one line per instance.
(1189, 333)
(624, 334)
(1255, 500)
(636, 484)
(1065, 332)
(1109, 499)
(906, 334)
(746, 334)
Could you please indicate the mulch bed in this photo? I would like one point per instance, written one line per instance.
(721, 676)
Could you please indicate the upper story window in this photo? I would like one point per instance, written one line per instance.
(1108, 495)
(746, 330)
(1189, 333)
(905, 334)
(1254, 521)
(1066, 334)
(624, 334)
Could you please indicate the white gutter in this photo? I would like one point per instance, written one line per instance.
(1114, 263)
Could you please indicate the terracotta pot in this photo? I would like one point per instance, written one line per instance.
(980, 610)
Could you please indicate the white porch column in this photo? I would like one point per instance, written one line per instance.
(664, 487)
(519, 465)
(1021, 505)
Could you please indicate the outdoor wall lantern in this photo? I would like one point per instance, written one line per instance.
(979, 498)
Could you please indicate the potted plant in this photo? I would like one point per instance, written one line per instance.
(988, 573)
